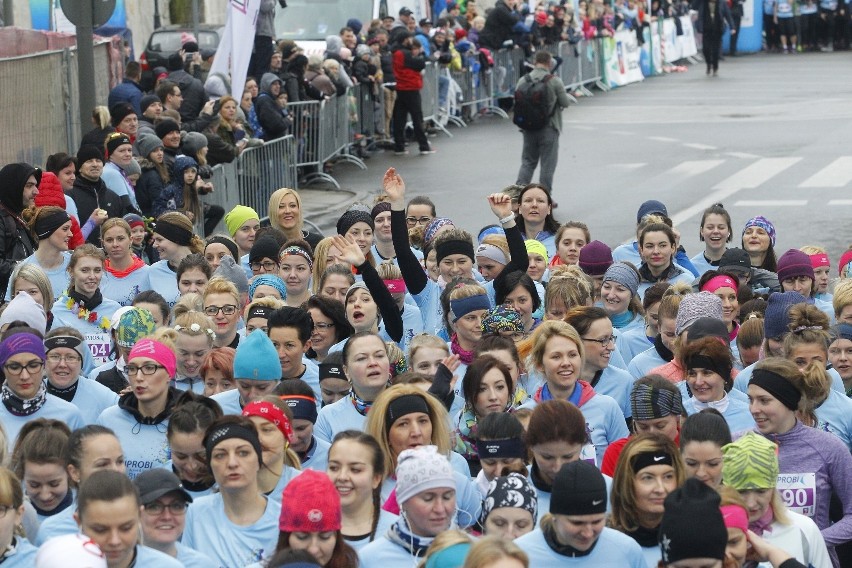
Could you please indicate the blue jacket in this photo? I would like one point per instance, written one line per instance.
(127, 91)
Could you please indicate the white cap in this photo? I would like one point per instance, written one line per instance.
(70, 551)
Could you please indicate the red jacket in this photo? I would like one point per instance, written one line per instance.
(406, 69)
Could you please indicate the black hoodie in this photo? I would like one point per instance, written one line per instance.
(16, 242)
(91, 195)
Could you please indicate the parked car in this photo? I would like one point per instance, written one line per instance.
(167, 40)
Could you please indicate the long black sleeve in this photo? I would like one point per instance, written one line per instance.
(440, 387)
(413, 274)
(384, 300)
(519, 258)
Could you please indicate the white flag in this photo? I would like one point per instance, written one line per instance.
(234, 52)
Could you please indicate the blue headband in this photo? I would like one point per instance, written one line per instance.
(302, 407)
(464, 306)
(451, 556)
(268, 280)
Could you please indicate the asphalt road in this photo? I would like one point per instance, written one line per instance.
(770, 136)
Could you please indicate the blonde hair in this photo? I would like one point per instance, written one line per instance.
(444, 541)
(389, 271)
(189, 302)
(195, 318)
(178, 219)
(219, 285)
(291, 458)
(811, 250)
(320, 260)
(425, 341)
(730, 496)
(570, 284)
(534, 346)
(377, 427)
(79, 253)
(115, 222)
(489, 549)
(842, 296)
(165, 335)
(501, 243)
(275, 201)
(34, 274)
(101, 117)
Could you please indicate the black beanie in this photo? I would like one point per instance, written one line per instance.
(265, 247)
(707, 327)
(119, 111)
(351, 217)
(115, 140)
(578, 489)
(147, 101)
(692, 525)
(165, 126)
(89, 152)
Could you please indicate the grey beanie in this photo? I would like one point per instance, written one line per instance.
(362, 50)
(147, 144)
(623, 274)
(193, 142)
(230, 271)
(694, 306)
(133, 168)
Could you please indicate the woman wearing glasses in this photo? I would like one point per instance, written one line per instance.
(222, 305)
(140, 418)
(24, 396)
(174, 240)
(65, 350)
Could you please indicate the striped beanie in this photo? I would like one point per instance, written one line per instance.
(750, 463)
(650, 403)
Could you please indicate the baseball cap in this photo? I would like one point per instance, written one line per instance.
(736, 261)
(155, 483)
(405, 11)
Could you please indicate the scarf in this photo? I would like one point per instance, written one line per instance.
(663, 351)
(764, 523)
(84, 302)
(465, 357)
(621, 320)
(645, 537)
(361, 405)
(721, 405)
(136, 264)
(20, 407)
(549, 535)
(64, 504)
(66, 394)
(466, 435)
(400, 534)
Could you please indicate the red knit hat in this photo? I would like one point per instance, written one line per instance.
(310, 503)
(50, 193)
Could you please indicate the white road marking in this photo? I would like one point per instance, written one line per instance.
(698, 146)
(771, 203)
(836, 174)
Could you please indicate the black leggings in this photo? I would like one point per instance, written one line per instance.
(712, 45)
(408, 102)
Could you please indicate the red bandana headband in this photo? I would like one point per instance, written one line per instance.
(269, 411)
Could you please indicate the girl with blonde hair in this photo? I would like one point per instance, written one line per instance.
(194, 341)
(285, 214)
(493, 552)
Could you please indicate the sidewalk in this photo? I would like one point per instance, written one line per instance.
(323, 207)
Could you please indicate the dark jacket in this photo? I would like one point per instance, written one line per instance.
(220, 150)
(149, 186)
(274, 123)
(127, 91)
(713, 22)
(407, 68)
(96, 136)
(498, 26)
(16, 242)
(193, 94)
(89, 195)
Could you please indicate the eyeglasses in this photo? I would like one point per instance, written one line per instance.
(70, 359)
(32, 367)
(323, 326)
(147, 369)
(603, 341)
(418, 220)
(268, 266)
(175, 507)
(227, 309)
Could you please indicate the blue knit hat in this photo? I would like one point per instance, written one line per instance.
(267, 280)
(776, 319)
(652, 206)
(257, 359)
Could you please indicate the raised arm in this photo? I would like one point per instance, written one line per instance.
(413, 274)
(501, 206)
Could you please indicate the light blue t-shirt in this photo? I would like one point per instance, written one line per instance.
(642, 364)
(737, 414)
(382, 553)
(145, 445)
(386, 519)
(701, 265)
(337, 417)
(98, 340)
(58, 276)
(123, 290)
(24, 556)
(146, 556)
(229, 545)
(191, 558)
(317, 458)
(92, 398)
(115, 180)
(54, 407)
(412, 324)
(834, 415)
(613, 549)
(616, 383)
(633, 342)
(164, 280)
(61, 523)
(287, 475)
(429, 302)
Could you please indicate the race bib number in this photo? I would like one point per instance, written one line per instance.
(588, 454)
(798, 490)
(99, 346)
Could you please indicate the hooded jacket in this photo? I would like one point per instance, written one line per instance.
(149, 186)
(269, 115)
(50, 193)
(91, 195)
(191, 88)
(498, 26)
(16, 242)
(407, 68)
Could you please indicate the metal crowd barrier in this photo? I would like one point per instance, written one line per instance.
(591, 67)
(477, 93)
(429, 98)
(263, 169)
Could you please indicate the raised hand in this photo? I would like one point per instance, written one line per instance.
(393, 185)
(501, 204)
(350, 252)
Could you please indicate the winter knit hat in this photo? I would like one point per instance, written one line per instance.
(595, 258)
(257, 359)
(159, 352)
(134, 220)
(119, 111)
(513, 490)
(433, 227)
(362, 50)
(776, 318)
(133, 325)
(24, 308)
(694, 306)
(88, 152)
(651, 207)
(502, 319)
(25, 343)
(147, 144)
(381, 206)
(182, 163)
(70, 551)
(420, 469)
(133, 168)
(147, 101)
(622, 273)
(535, 247)
(310, 504)
(649, 403)
(166, 126)
(267, 280)
(794, 263)
(750, 463)
(265, 247)
(579, 488)
(680, 536)
(236, 217)
(113, 142)
(232, 272)
(351, 217)
(764, 224)
(841, 331)
(193, 142)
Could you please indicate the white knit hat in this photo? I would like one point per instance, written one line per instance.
(24, 308)
(70, 551)
(421, 469)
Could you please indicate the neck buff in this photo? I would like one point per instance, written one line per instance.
(84, 301)
(621, 320)
(66, 394)
(465, 356)
(361, 405)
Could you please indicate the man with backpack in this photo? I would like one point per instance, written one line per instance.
(539, 100)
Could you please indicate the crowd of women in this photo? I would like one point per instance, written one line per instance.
(407, 393)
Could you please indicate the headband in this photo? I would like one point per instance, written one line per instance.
(405, 404)
(68, 341)
(454, 246)
(303, 407)
(226, 242)
(157, 351)
(492, 252)
(506, 448)
(819, 260)
(331, 371)
(237, 431)
(464, 306)
(451, 556)
(647, 459)
(735, 517)
(623, 274)
(45, 225)
(298, 251)
(649, 403)
(259, 312)
(777, 386)
(717, 282)
(699, 361)
(178, 235)
(395, 285)
(21, 343)
(380, 208)
(764, 224)
(272, 413)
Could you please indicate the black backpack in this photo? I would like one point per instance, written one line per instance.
(534, 103)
